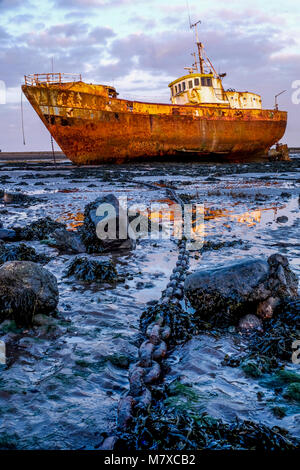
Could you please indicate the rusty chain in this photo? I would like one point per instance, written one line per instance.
(147, 371)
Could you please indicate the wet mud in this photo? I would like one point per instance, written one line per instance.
(65, 375)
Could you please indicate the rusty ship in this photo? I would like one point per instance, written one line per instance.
(92, 125)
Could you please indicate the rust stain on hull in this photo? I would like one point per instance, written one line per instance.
(92, 127)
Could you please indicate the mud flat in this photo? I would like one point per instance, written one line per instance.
(64, 376)
(30, 156)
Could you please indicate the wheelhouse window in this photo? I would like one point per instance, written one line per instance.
(179, 87)
(190, 84)
(183, 86)
(176, 89)
(196, 81)
(206, 81)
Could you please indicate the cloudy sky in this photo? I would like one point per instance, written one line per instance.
(139, 46)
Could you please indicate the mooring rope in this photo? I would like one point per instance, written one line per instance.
(157, 336)
(53, 153)
(22, 119)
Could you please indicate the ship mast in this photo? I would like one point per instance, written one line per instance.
(199, 46)
(203, 59)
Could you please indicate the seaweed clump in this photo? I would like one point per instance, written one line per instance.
(211, 245)
(21, 252)
(38, 230)
(269, 350)
(183, 428)
(285, 382)
(280, 331)
(85, 269)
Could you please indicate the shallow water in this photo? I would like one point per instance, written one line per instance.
(63, 381)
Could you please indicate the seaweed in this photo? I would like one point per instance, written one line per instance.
(88, 232)
(21, 252)
(183, 429)
(279, 332)
(38, 230)
(292, 392)
(269, 350)
(17, 304)
(84, 269)
(279, 411)
(20, 198)
(211, 245)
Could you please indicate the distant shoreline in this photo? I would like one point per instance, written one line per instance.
(21, 156)
(15, 156)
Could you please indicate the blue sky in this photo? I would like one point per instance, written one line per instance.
(140, 46)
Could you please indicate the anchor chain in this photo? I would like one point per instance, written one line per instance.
(162, 326)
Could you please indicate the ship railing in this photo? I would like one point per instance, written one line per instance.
(51, 78)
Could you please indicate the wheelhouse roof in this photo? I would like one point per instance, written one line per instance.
(191, 75)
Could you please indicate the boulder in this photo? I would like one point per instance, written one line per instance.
(26, 289)
(253, 286)
(112, 217)
(66, 241)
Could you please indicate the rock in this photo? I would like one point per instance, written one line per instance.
(20, 198)
(67, 242)
(250, 322)
(94, 231)
(266, 308)
(7, 234)
(280, 153)
(282, 219)
(283, 281)
(249, 286)
(26, 289)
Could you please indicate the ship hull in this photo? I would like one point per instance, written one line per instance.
(90, 128)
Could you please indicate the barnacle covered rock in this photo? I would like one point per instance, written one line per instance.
(26, 289)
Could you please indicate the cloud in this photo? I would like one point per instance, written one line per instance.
(4, 34)
(83, 4)
(143, 22)
(11, 4)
